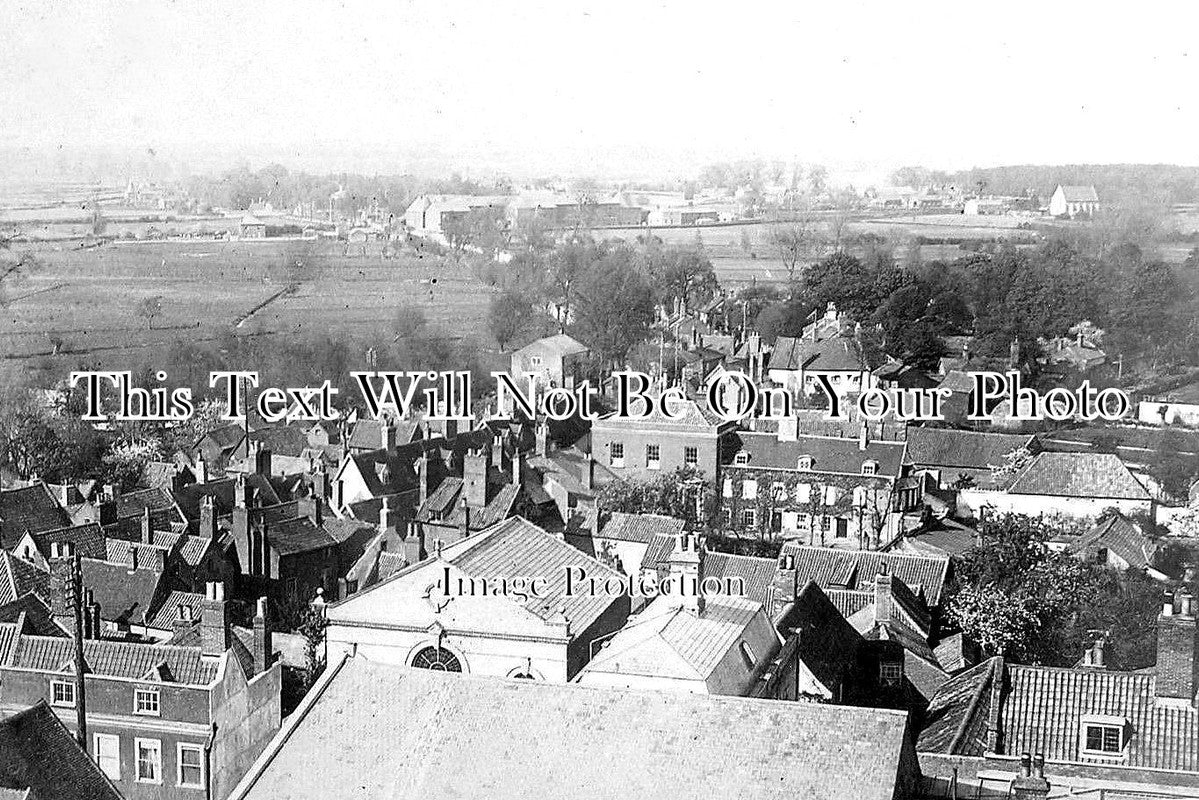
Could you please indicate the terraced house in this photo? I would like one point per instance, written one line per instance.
(163, 721)
(819, 490)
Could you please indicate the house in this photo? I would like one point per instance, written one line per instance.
(251, 227)
(623, 539)
(163, 721)
(681, 642)
(553, 360)
(1080, 485)
(632, 447)
(820, 490)
(841, 570)
(1118, 542)
(1099, 729)
(370, 730)
(950, 456)
(475, 625)
(40, 760)
(799, 365)
(1073, 201)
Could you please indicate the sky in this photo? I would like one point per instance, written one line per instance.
(606, 88)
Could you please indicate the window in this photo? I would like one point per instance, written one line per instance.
(535, 362)
(1103, 738)
(804, 464)
(831, 493)
(747, 654)
(869, 467)
(145, 701)
(778, 490)
(749, 518)
(803, 493)
(776, 520)
(859, 497)
(749, 489)
(741, 459)
(437, 659)
(62, 693)
(107, 750)
(191, 766)
(890, 673)
(149, 760)
(653, 456)
(728, 487)
(616, 454)
(690, 456)
(842, 528)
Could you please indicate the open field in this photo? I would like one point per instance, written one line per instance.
(86, 298)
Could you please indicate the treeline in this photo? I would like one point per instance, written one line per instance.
(1165, 183)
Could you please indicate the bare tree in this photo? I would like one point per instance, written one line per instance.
(795, 239)
(14, 269)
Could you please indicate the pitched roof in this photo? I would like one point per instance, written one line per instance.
(1097, 475)
(757, 573)
(373, 730)
(956, 722)
(124, 594)
(1079, 194)
(639, 528)
(168, 611)
(829, 453)
(298, 535)
(828, 644)
(19, 577)
(557, 345)
(945, 447)
(1121, 536)
(856, 569)
(835, 354)
(88, 539)
(38, 753)
(32, 508)
(667, 641)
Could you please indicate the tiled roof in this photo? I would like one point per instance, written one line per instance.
(441, 501)
(149, 556)
(1120, 536)
(38, 753)
(659, 550)
(956, 722)
(168, 611)
(281, 440)
(135, 503)
(639, 528)
(222, 492)
(116, 659)
(384, 473)
(498, 508)
(905, 608)
(1097, 475)
(18, 577)
(849, 601)
(856, 569)
(836, 354)
(298, 535)
(828, 644)
(374, 730)
(688, 415)
(34, 612)
(757, 573)
(124, 595)
(829, 454)
(88, 540)
(518, 547)
(390, 563)
(1079, 194)
(949, 449)
(227, 437)
(668, 641)
(32, 508)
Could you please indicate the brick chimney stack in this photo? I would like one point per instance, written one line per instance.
(208, 520)
(687, 573)
(412, 543)
(474, 478)
(214, 620)
(62, 556)
(264, 651)
(1030, 784)
(147, 527)
(883, 597)
(1177, 650)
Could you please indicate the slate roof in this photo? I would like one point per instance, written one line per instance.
(835, 354)
(34, 613)
(281, 440)
(384, 473)
(32, 508)
(856, 569)
(373, 730)
(1120, 536)
(828, 644)
(39, 754)
(757, 573)
(948, 448)
(298, 535)
(1092, 475)
(1041, 709)
(88, 540)
(168, 611)
(829, 454)
(1079, 194)
(18, 577)
(221, 492)
(135, 503)
(132, 660)
(124, 595)
(640, 528)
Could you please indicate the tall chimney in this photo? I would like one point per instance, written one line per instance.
(883, 597)
(385, 515)
(474, 478)
(264, 650)
(147, 527)
(687, 573)
(863, 436)
(412, 543)
(262, 461)
(388, 434)
(542, 439)
(200, 470)
(61, 564)
(464, 526)
(588, 472)
(1177, 651)
(214, 620)
(422, 479)
(208, 519)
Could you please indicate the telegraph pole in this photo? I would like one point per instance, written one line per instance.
(76, 597)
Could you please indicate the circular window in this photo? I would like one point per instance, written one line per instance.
(438, 659)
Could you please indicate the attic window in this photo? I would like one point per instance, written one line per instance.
(747, 654)
(535, 362)
(741, 459)
(869, 467)
(1102, 736)
(804, 463)
(890, 673)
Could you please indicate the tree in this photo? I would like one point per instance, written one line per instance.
(148, 309)
(15, 268)
(616, 306)
(793, 241)
(684, 494)
(507, 315)
(684, 275)
(1171, 467)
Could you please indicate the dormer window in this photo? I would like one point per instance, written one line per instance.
(741, 459)
(890, 673)
(869, 467)
(1102, 736)
(804, 464)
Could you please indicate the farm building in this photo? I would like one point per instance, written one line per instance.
(1071, 201)
(251, 227)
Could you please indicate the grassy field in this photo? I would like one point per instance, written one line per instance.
(87, 298)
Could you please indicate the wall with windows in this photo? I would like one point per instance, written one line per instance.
(630, 451)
